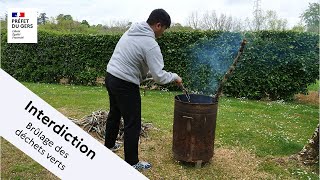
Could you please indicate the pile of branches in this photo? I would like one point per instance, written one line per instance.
(310, 153)
(96, 122)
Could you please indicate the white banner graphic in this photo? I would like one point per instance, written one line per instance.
(52, 140)
(22, 25)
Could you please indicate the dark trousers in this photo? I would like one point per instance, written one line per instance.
(125, 101)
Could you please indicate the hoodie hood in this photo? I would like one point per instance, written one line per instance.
(141, 29)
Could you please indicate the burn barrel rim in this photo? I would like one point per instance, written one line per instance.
(197, 99)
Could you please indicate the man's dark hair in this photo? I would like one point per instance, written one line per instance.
(159, 16)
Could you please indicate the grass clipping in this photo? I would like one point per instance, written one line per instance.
(96, 123)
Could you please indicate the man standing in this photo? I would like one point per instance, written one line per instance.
(136, 56)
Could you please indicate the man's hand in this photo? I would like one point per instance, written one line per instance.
(178, 81)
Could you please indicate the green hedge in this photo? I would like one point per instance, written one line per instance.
(274, 64)
(80, 58)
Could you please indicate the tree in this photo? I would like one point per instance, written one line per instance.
(68, 17)
(211, 21)
(258, 18)
(42, 19)
(4, 21)
(266, 20)
(117, 26)
(311, 17)
(299, 27)
(193, 20)
(179, 27)
(273, 22)
(66, 23)
(85, 22)
(62, 17)
(237, 25)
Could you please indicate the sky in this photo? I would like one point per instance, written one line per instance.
(105, 11)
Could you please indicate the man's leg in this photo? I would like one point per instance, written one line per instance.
(130, 107)
(114, 116)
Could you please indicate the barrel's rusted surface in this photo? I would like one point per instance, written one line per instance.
(194, 128)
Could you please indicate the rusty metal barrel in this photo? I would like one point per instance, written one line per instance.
(194, 128)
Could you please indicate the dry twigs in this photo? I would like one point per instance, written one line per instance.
(96, 122)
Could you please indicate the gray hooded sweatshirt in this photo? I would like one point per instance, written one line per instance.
(136, 54)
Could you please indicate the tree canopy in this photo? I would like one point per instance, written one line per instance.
(311, 17)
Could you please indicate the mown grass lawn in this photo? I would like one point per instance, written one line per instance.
(254, 139)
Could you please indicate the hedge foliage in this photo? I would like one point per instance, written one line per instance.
(275, 65)
(80, 58)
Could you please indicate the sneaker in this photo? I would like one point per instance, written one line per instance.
(142, 165)
(116, 147)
